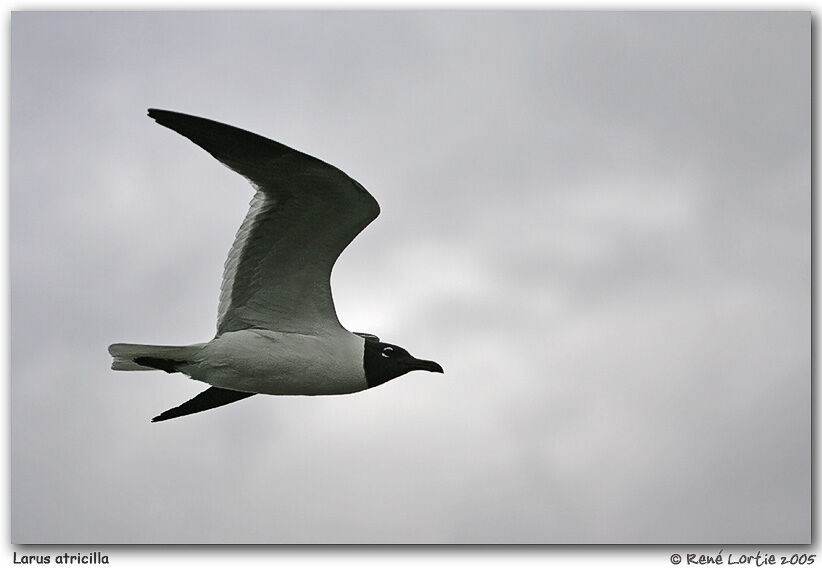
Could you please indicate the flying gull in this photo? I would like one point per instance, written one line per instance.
(277, 329)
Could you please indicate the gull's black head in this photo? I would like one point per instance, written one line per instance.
(383, 362)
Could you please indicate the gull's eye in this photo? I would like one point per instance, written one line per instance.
(387, 352)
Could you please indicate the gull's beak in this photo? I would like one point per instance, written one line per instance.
(427, 365)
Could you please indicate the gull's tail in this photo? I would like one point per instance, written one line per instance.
(144, 357)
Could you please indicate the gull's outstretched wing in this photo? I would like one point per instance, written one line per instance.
(305, 212)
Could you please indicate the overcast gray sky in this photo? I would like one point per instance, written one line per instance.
(598, 223)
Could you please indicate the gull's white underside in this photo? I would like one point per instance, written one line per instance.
(265, 361)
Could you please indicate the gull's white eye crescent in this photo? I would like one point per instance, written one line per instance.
(386, 352)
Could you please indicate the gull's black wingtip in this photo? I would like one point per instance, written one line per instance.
(162, 116)
(208, 399)
(164, 416)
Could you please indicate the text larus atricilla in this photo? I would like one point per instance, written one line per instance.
(277, 330)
